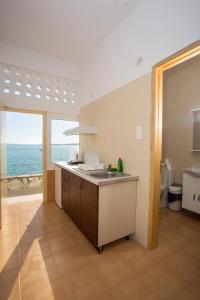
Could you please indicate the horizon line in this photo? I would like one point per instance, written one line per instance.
(40, 144)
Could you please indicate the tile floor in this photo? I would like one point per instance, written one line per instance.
(43, 255)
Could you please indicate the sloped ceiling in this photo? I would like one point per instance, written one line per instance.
(66, 29)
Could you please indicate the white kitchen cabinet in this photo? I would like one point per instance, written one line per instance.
(191, 193)
(58, 186)
(117, 210)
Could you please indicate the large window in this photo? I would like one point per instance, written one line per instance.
(63, 147)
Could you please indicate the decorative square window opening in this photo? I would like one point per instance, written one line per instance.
(30, 84)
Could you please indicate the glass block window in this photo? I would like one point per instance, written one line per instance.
(29, 84)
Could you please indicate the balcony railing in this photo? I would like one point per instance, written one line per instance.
(24, 185)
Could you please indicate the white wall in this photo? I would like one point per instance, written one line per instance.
(39, 63)
(154, 30)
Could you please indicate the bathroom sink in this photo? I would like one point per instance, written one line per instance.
(193, 171)
(107, 175)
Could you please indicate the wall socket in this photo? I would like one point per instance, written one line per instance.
(138, 132)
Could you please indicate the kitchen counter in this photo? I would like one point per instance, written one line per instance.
(86, 175)
(103, 210)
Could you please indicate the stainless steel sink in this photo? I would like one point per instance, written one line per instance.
(106, 175)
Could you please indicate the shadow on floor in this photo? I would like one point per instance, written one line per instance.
(22, 239)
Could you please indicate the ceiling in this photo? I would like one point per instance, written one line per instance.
(66, 29)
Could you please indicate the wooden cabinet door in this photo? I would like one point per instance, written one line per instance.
(89, 210)
(190, 193)
(65, 190)
(75, 205)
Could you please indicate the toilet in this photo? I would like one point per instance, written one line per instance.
(167, 176)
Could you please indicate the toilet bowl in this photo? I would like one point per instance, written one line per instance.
(163, 188)
(166, 179)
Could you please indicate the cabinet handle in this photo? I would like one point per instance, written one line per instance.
(198, 197)
(194, 196)
(79, 184)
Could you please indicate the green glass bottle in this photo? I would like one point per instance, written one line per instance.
(120, 165)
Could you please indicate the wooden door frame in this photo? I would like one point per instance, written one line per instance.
(156, 134)
(3, 190)
(44, 141)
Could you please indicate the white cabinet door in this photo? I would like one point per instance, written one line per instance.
(58, 186)
(190, 192)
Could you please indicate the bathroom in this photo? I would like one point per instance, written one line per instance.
(180, 165)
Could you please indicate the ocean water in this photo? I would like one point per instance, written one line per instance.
(27, 159)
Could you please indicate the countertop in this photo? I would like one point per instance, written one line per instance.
(192, 171)
(86, 175)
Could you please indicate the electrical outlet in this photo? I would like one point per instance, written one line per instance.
(138, 134)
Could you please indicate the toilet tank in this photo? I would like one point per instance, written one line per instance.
(167, 176)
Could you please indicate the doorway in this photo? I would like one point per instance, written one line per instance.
(25, 155)
(156, 146)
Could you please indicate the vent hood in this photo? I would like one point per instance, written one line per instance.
(81, 130)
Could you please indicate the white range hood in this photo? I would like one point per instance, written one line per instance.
(81, 130)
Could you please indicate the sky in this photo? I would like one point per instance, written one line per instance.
(23, 128)
(58, 127)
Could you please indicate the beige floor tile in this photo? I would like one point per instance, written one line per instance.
(85, 284)
(70, 261)
(10, 220)
(60, 243)
(8, 243)
(112, 269)
(36, 266)
(10, 210)
(29, 237)
(29, 222)
(35, 285)
(28, 213)
(9, 259)
(137, 259)
(9, 230)
(133, 288)
(58, 262)
(23, 228)
(192, 251)
(37, 248)
(188, 293)
(163, 282)
(183, 266)
(56, 230)
(9, 285)
(48, 291)
(64, 241)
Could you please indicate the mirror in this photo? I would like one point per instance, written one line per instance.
(196, 129)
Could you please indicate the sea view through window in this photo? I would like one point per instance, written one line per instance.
(24, 148)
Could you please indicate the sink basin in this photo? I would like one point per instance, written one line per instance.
(193, 172)
(106, 175)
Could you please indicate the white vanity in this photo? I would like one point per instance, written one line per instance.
(191, 176)
(191, 190)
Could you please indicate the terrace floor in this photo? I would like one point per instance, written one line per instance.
(24, 198)
(43, 255)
